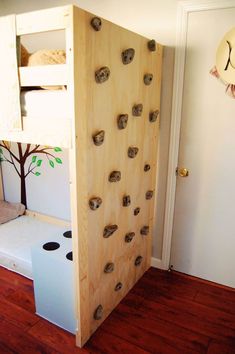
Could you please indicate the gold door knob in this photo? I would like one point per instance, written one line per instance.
(182, 172)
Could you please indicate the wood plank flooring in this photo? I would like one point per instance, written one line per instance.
(166, 312)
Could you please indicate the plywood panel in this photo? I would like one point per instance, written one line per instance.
(104, 102)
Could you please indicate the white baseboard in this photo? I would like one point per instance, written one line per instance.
(156, 263)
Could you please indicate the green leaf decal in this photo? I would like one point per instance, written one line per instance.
(1, 151)
(51, 163)
(58, 160)
(57, 149)
(37, 173)
(39, 162)
(34, 158)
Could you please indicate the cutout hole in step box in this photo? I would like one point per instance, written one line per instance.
(51, 246)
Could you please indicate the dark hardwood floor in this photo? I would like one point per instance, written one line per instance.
(166, 312)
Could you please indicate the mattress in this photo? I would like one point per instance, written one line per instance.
(45, 104)
(18, 236)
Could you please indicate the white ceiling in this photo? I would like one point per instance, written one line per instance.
(151, 18)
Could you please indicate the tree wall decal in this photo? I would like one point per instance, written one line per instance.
(21, 164)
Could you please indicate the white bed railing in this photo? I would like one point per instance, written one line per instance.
(47, 75)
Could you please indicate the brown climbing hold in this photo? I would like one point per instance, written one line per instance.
(153, 116)
(115, 176)
(146, 167)
(129, 237)
(96, 23)
(102, 74)
(98, 138)
(98, 314)
(109, 268)
(132, 152)
(136, 211)
(128, 55)
(144, 230)
(149, 195)
(126, 200)
(122, 121)
(118, 286)
(138, 260)
(137, 110)
(152, 45)
(148, 78)
(95, 203)
(109, 230)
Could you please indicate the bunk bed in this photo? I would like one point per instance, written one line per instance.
(108, 118)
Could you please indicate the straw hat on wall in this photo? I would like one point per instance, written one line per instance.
(225, 57)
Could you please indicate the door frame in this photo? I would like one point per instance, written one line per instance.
(183, 11)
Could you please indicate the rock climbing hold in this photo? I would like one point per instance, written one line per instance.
(98, 138)
(115, 176)
(102, 75)
(153, 116)
(109, 230)
(132, 151)
(109, 268)
(96, 23)
(126, 200)
(146, 167)
(138, 260)
(149, 195)
(122, 121)
(128, 55)
(148, 78)
(98, 314)
(129, 237)
(95, 203)
(144, 230)
(137, 110)
(118, 286)
(152, 45)
(136, 211)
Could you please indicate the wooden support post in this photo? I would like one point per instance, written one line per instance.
(77, 91)
(10, 113)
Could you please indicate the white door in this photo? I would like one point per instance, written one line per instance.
(203, 241)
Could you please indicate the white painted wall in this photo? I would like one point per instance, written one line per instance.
(47, 193)
(151, 18)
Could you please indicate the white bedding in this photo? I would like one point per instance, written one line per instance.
(18, 236)
(44, 104)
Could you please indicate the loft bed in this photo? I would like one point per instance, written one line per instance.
(110, 126)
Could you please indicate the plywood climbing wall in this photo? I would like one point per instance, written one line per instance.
(116, 169)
